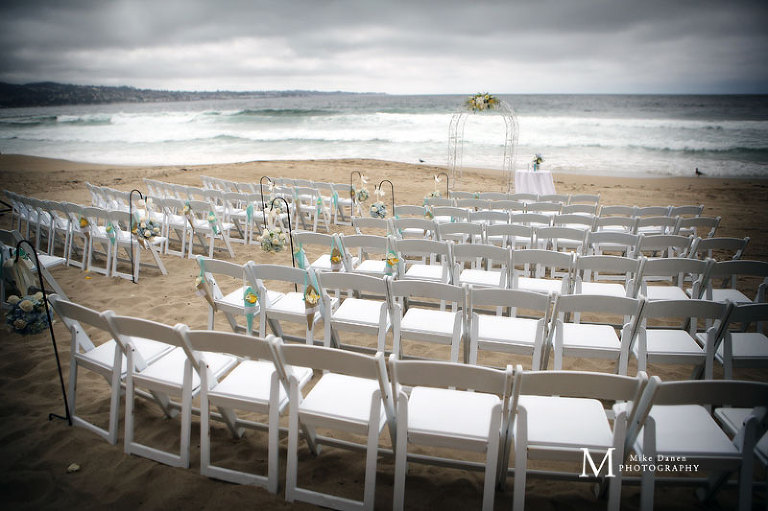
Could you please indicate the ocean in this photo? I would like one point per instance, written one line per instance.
(632, 135)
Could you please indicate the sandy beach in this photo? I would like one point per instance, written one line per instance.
(36, 452)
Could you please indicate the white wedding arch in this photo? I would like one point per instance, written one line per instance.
(483, 104)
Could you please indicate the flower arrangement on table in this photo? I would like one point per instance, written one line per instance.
(145, 230)
(28, 314)
(272, 240)
(481, 102)
(537, 160)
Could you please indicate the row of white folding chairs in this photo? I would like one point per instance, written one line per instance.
(533, 337)
(425, 403)
(565, 199)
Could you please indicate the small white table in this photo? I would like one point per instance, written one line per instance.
(539, 182)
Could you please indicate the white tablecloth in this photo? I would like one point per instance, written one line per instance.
(539, 182)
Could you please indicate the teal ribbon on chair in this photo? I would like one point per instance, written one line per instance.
(335, 199)
(111, 233)
(301, 257)
(249, 213)
(213, 222)
(250, 299)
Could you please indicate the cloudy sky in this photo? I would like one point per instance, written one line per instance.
(420, 47)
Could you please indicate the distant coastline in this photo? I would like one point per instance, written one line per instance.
(58, 94)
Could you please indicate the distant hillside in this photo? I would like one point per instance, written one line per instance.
(52, 94)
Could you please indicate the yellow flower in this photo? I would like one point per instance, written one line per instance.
(84, 222)
(251, 298)
(392, 260)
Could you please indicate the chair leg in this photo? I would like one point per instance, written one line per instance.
(371, 454)
(205, 435)
(521, 460)
(401, 453)
(273, 456)
(491, 461)
(293, 444)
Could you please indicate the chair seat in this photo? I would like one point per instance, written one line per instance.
(590, 336)
(688, 430)
(49, 261)
(603, 288)
(342, 398)
(507, 330)
(291, 303)
(540, 285)
(566, 422)
(665, 293)
(671, 342)
(733, 295)
(481, 278)
(428, 321)
(251, 381)
(360, 311)
(322, 263)
(169, 369)
(732, 419)
(234, 300)
(372, 266)
(425, 272)
(450, 414)
(104, 354)
(748, 346)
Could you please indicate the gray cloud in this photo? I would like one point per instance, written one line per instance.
(391, 46)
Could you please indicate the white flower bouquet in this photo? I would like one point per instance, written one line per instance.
(27, 315)
(378, 210)
(273, 240)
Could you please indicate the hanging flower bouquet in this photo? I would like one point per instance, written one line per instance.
(378, 210)
(145, 230)
(362, 195)
(27, 315)
(272, 240)
(481, 102)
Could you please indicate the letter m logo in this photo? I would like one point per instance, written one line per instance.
(596, 470)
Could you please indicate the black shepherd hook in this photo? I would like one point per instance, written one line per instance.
(393, 193)
(51, 416)
(447, 192)
(263, 204)
(352, 193)
(130, 228)
(290, 230)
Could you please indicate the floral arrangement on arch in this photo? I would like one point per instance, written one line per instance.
(481, 102)
(272, 240)
(28, 314)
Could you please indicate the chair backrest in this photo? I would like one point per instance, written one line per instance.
(439, 201)
(513, 298)
(366, 242)
(599, 240)
(707, 247)
(508, 205)
(489, 217)
(242, 346)
(581, 209)
(456, 214)
(555, 197)
(574, 220)
(613, 305)
(532, 219)
(354, 281)
(689, 311)
(464, 252)
(473, 203)
(424, 373)
(425, 289)
(652, 211)
(510, 230)
(617, 210)
(525, 197)
(364, 223)
(256, 274)
(126, 328)
(703, 226)
(686, 211)
(546, 236)
(410, 210)
(456, 194)
(579, 384)
(604, 265)
(414, 223)
(585, 198)
(494, 196)
(72, 315)
(670, 245)
(541, 207)
(455, 231)
(541, 259)
(422, 248)
(657, 224)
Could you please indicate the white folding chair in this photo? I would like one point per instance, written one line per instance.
(584, 198)
(123, 239)
(367, 246)
(460, 232)
(728, 274)
(514, 236)
(663, 245)
(719, 249)
(175, 374)
(560, 239)
(704, 227)
(592, 272)
(651, 211)
(509, 334)
(424, 260)
(414, 228)
(656, 225)
(596, 338)
(619, 243)
(104, 358)
(737, 346)
(677, 270)
(375, 226)
(207, 225)
(687, 211)
(9, 240)
(354, 313)
(449, 213)
(254, 386)
(304, 241)
(480, 265)
(535, 262)
(442, 411)
(672, 421)
(276, 306)
(681, 342)
(98, 220)
(559, 415)
(426, 324)
(353, 395)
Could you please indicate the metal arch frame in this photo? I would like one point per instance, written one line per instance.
(456, 140)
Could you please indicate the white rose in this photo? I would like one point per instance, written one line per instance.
(13, 299)
(26, 306)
